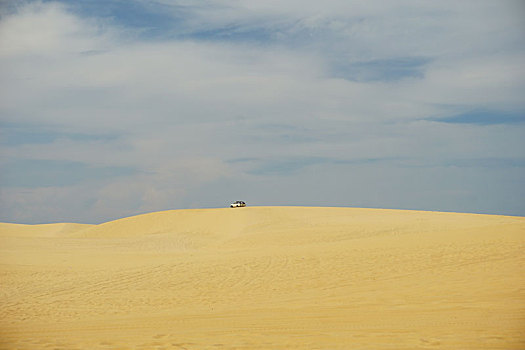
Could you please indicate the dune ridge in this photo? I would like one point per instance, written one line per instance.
(266, 278)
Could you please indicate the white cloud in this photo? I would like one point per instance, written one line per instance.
(42, 29)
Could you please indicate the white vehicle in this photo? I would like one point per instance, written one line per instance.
(237, 204)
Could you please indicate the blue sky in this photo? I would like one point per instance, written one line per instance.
(115, 108)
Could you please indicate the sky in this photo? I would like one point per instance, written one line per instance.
(112, 108)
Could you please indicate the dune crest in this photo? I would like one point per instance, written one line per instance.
(264, 278)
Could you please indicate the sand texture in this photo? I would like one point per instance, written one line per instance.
(266, 278)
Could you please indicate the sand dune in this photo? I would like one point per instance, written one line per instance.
(266, 278)
(47, 230)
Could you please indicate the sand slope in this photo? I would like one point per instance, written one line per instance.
(266, 278)
(47, 230)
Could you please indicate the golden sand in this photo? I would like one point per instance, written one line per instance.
(266, 278)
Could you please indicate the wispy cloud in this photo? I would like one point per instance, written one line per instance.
(34, 173)
(483, 117)
(12, 134)
(382, 70)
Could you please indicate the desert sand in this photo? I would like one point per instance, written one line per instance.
(266, 278)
